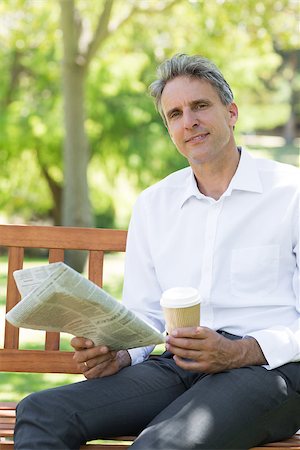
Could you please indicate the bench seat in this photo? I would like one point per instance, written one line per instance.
(15, 239)
(7, 422)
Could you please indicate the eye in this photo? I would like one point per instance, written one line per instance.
(201, 105)
(174, 114)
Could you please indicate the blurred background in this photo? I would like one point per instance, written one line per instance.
(80, 136)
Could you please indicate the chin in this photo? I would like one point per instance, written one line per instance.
(198, 158)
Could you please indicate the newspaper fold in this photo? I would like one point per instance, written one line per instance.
(57, 298)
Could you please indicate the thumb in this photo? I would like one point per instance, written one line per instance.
(81, 343)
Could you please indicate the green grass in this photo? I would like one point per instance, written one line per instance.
(288, 154)
(15, 386)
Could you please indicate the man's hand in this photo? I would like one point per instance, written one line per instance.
(201, 349)
(98, 361)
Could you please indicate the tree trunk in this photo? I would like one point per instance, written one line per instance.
(56, 192)
(76, 209)
(76, 204)
(290, 129)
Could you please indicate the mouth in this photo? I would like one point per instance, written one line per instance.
(200, 137)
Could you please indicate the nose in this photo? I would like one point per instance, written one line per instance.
(190, 119)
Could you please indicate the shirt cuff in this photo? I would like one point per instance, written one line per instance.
(279, 346)
(139, 354)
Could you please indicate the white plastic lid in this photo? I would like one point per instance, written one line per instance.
(180, 297)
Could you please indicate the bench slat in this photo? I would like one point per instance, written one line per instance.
(15, 262)
(96, 259)
(73, 238)
(37, 361)
(53, 339)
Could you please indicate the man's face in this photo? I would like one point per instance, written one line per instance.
(199, 124)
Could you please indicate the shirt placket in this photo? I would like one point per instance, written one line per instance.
(209, 239)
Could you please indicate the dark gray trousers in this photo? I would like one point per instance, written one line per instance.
(168, 408)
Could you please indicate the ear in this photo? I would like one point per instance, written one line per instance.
(233, 113)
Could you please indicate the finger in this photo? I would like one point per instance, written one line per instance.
(184, 352)
(91, 353)
(198, 366)
(80, 343)
(100, 360)
(86, 366)
(102, 370)
(90, 363)
(185, 343)
(199, 332)
(191, 365)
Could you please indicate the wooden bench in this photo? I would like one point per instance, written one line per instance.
(17, 238)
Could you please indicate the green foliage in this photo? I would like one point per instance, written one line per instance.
(105, 213)
(253, 44)
(30, 96)
(24, 192)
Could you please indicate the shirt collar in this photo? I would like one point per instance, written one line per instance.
(246, 178)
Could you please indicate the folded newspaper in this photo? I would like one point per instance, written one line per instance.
(57, 298)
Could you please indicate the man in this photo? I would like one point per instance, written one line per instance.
(229, 226)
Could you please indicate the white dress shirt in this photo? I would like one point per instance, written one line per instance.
(240, 251)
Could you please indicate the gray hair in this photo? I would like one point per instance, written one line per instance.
(182, 65)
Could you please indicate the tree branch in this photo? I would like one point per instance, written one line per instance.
(16, 70)
(137, 9)
(54, 186)
(101, 33)
(104, 28)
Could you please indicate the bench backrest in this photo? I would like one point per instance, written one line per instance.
(17, 238)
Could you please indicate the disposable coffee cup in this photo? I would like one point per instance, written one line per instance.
(181, 307)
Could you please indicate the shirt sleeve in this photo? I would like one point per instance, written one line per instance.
(281, 344)
(141, 290)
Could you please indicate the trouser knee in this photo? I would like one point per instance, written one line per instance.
(45, 420)
(36, 405)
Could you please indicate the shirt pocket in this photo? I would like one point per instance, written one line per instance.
(254, 271)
